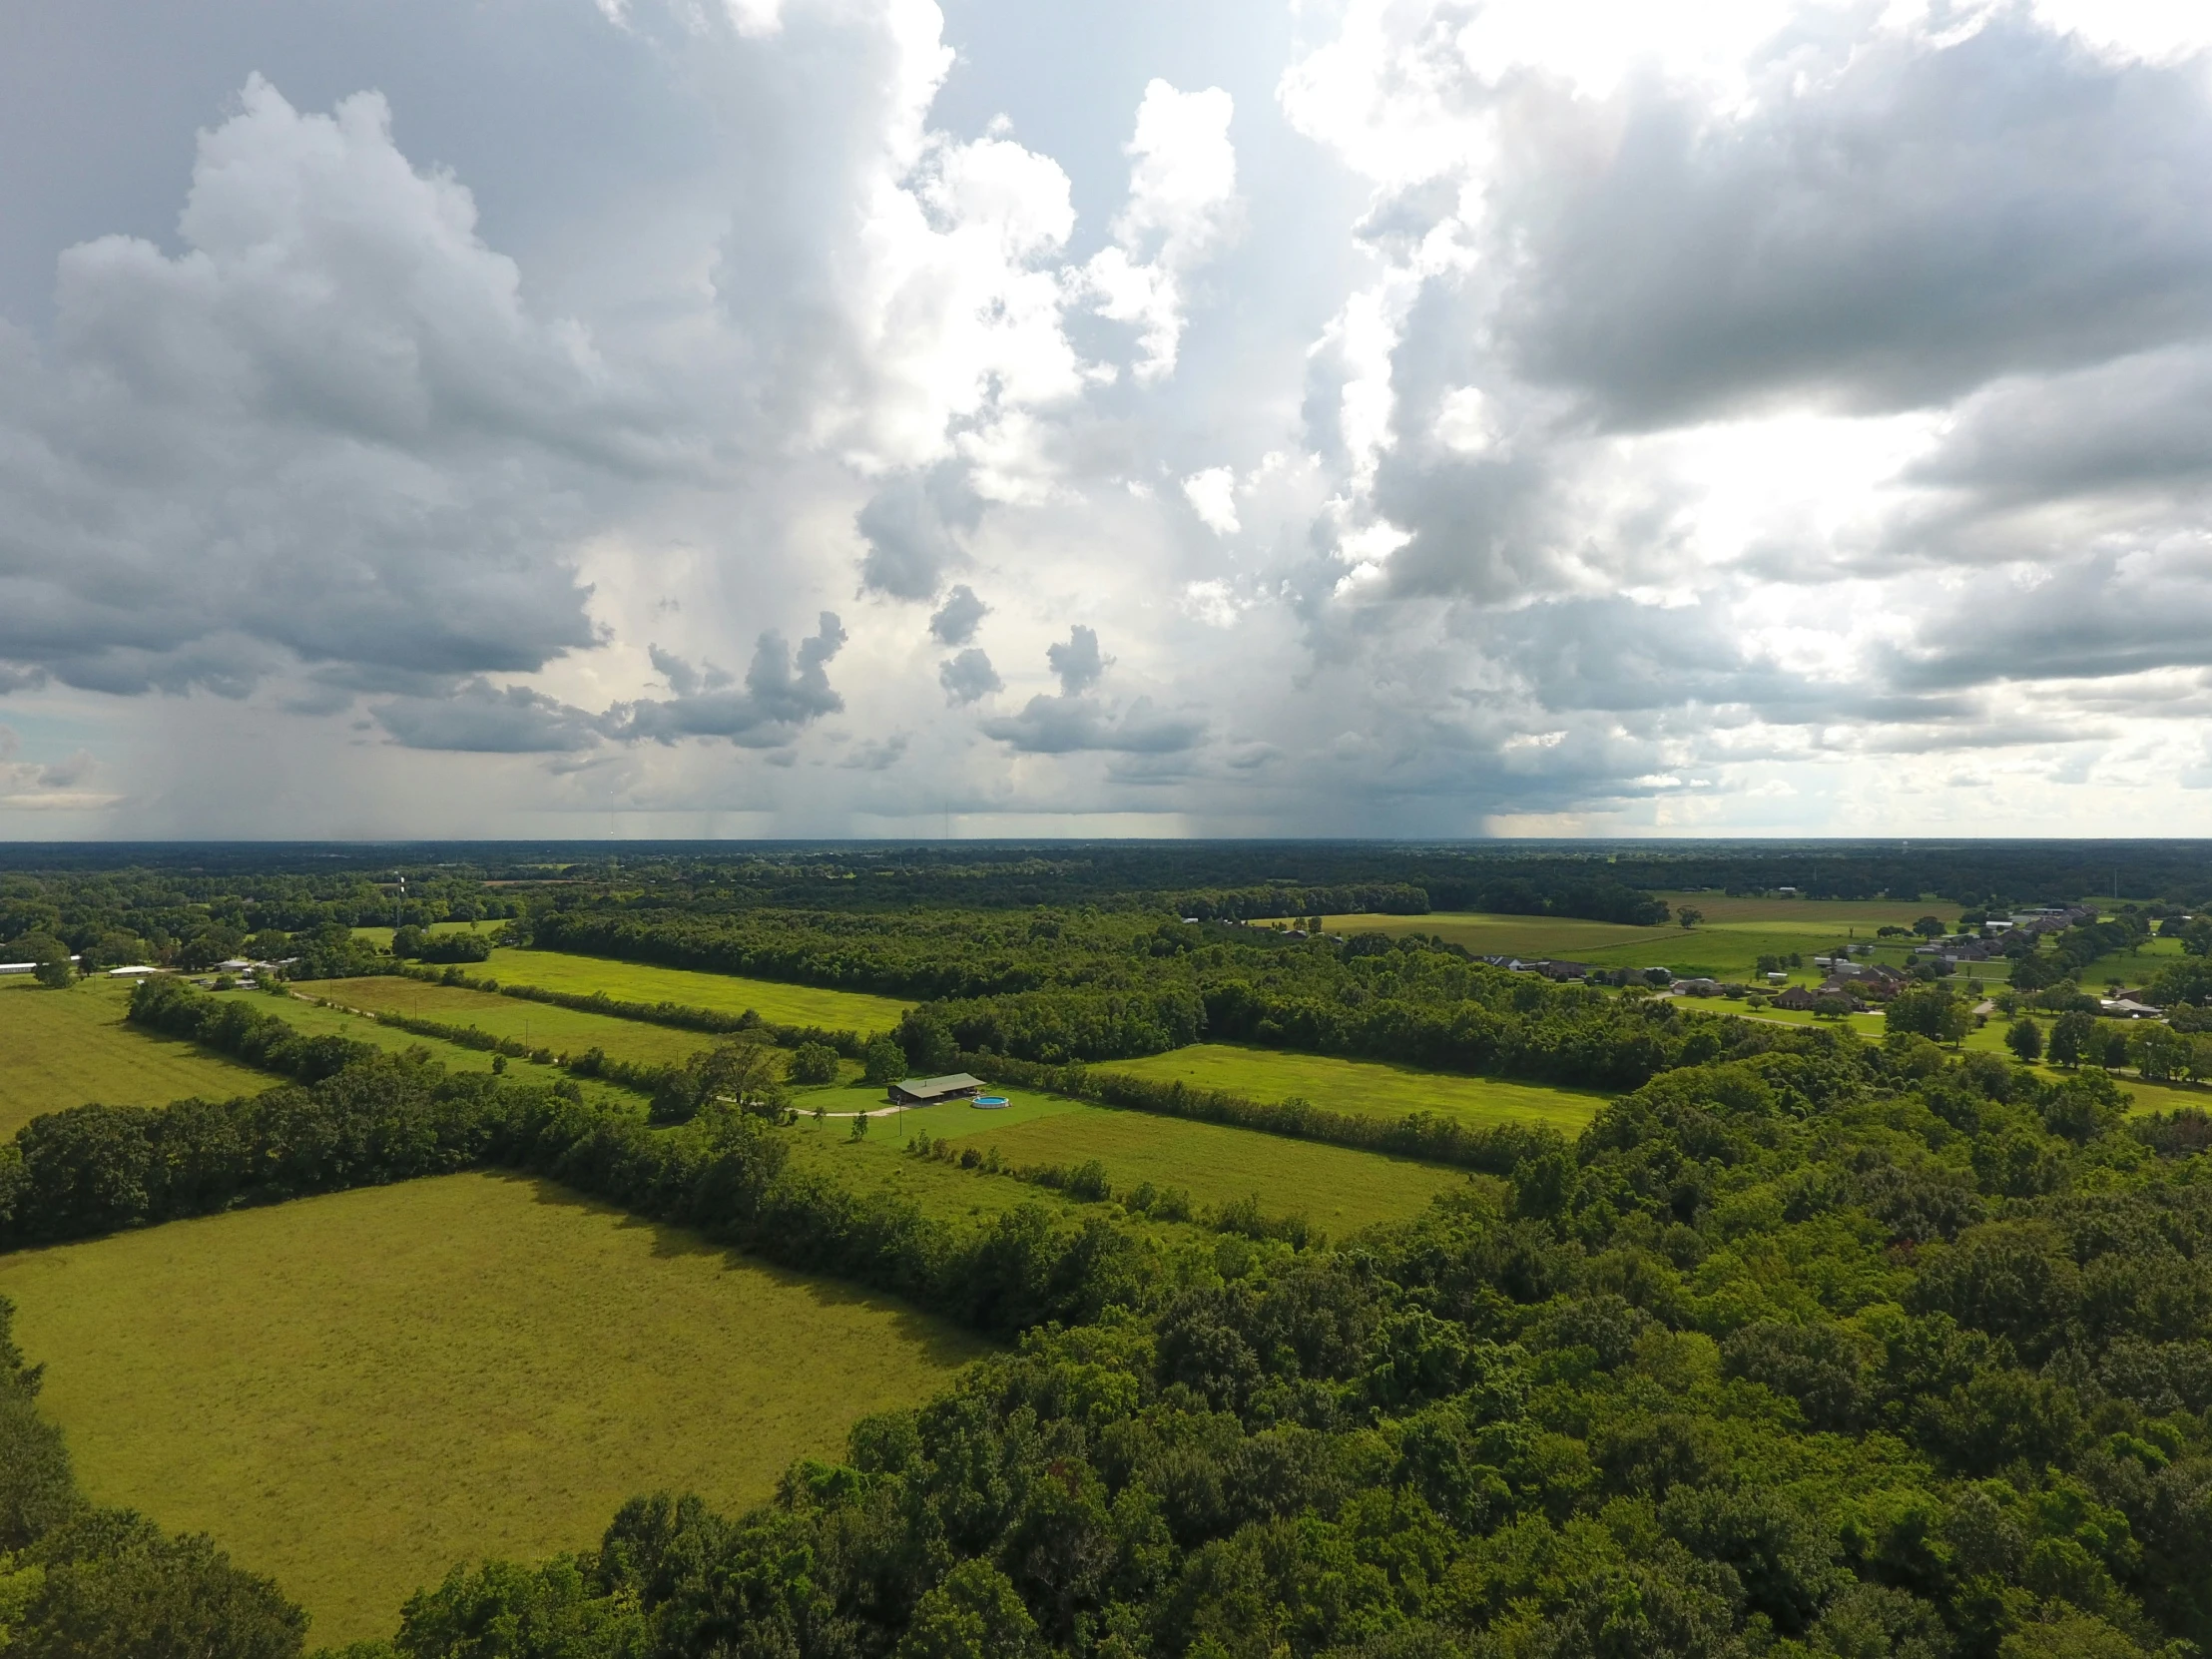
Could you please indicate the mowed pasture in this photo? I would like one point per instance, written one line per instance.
(1365, 1088)
(1727, 944)
(1338, 1188)
(780, 1004)
(353, 1393)
(319, 1021)
(63, 1048)
(540, 1024)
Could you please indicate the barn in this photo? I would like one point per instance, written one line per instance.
(927, 1091)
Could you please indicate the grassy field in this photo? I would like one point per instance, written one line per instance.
(1368, 1088)
(354, 1392)
(634, 982)
(1735, 933)
(783, 1004)
(335, 1022)
(563, 1030)
(61, 1048)
(1338, 1188)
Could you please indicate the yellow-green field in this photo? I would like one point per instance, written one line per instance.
(780, 1004)
(353, 1393)
(1365, 1087)
(61, 1048)
(564, 1030)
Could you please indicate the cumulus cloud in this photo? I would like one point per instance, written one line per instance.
(487, 719)
(1212, 494)
(784, 692)
(329, 429)
(913, 525)
(1181, 209)
(1076, 660)
(968, 677)
(1071, 725)
(958, 616)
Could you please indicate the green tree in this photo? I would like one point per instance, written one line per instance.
(1930, 927)
(1931, 1012)
(884, 1062)
(116, 1587)
(974, 1613)
(1689, 918)
(2158, 1051)
(2070, 1036)
(813, 1063)
(55, 973)
(2025, 1040)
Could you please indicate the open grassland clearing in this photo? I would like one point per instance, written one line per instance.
(540, 1024)
(381, 936)
(779, 1005)
(1727, 944)
(353, 1393)
(1337, 1189)
(1366, 1089)
(321, 1021)
(61, 1048)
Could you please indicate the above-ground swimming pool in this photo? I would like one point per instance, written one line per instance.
(989, 1102)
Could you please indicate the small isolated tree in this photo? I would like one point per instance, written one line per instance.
(2025, 1040)
(54, 972)
(1830, 1007)
(1928, 928)
(859, 1126)
(813, 1063)
(1689, 918)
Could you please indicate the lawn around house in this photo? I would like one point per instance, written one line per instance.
(1366, 1088)
(63, 1048)
(353, 1393)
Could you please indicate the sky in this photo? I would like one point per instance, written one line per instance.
(861, 417)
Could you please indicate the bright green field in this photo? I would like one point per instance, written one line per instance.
(335, 1022)
(353, 1393)
(564, 1030)
(778, 1003)
(633, 982)
(1338, 1188)
(61, 1048)
(1365, 1087)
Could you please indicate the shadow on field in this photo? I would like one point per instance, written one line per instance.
(940, 1343)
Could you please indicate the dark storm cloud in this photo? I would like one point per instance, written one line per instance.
(1893, 223)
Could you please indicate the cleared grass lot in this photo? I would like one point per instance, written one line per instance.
(61, 1048)
(634, 982)
(563, 1030)
(353, 1393)
(1366, 1087)
(337, 1022)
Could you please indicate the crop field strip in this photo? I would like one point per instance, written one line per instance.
(1368, 1088)
(63, 1048)
(356, 1391)
(563, 1030)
